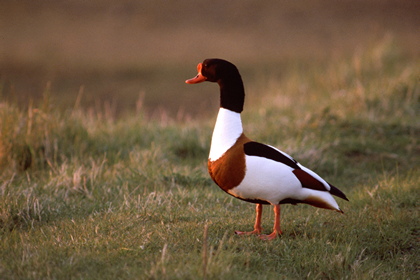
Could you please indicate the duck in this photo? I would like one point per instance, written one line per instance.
(251, 171)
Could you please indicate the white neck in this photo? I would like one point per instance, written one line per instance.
(227, 130)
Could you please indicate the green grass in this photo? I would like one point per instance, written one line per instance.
(88, 196)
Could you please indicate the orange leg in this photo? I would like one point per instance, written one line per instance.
(257, 225)
(276, 230)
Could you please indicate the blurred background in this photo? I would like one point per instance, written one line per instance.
(128, 55)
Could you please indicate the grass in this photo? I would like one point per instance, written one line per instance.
(85, 195)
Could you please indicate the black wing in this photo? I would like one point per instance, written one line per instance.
(261, 150)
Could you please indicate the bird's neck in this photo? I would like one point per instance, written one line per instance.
(227, 130)
(232, 94)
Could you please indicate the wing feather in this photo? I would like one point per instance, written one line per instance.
(262, 150)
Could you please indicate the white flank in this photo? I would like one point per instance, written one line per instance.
(273, 181)
(268, 180)
(227, 130)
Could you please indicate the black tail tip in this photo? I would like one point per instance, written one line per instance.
(335, 191)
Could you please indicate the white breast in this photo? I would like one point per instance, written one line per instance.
(227, 130)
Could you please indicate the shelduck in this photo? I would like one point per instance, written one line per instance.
(251, 171)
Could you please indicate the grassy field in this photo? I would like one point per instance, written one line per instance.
(103, 147)
(85, 195)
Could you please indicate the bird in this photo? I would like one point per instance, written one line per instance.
(251, 171)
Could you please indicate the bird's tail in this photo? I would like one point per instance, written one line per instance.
(337, 192)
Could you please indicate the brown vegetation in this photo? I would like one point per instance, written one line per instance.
(111, 52)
